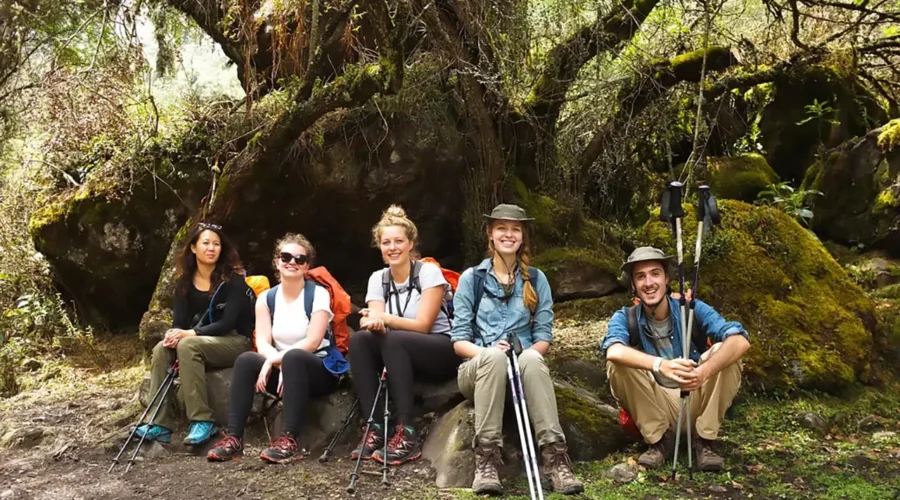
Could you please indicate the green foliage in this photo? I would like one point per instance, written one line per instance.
(795, 203)
(819, 111)
(889, 136)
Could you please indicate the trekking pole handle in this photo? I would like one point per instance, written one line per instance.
(676, 211)
(702, 199)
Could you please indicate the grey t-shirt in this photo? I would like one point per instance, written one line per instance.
(429, 276)
(661, 334)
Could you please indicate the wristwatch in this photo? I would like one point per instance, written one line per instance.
(657, 364)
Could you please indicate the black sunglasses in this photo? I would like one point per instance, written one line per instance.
(299, 258)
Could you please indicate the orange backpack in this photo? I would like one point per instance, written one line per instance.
(451, 276)
(340, 304)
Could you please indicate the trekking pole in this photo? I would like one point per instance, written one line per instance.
(672, 211)
(707, 213)
(522, 420)
(167, 384)
(344, 424)
(159, 391)
(351, 489)
(384, 463)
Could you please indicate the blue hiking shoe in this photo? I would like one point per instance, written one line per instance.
(200, 432)
(154, 433)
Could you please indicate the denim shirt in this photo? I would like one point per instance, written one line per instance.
(706, 318)
(496, 317)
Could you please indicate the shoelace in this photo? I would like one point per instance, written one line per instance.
(285, 443)
(372, 437)
(562, 463)
(488, 459)
(398, 440)
(229, 442)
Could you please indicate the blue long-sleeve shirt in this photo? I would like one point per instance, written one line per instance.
(706, 320)
(498, 317)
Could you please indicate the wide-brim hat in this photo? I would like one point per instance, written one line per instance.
(644, 254)
(508, 212)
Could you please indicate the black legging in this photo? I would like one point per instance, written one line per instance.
(305, 376)
(403, 353)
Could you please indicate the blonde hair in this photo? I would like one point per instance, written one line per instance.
(523, 258)
(294, 239)
(396, 216)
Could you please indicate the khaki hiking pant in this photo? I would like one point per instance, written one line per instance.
(195, 355)
(484, 380)
(654, 408)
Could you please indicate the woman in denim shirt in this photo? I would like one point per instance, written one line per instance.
(515, 300)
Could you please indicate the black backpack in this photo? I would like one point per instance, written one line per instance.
(634, 338)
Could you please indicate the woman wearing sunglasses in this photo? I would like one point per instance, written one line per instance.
(514, 300)
(289, 341)
(212, 324)
(405, 331)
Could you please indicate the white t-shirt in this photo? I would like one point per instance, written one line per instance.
(290, 322)
(429, 276)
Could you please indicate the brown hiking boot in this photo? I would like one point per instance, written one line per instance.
(707, 458)
(658, 452)
(487, 480)
(557, 470)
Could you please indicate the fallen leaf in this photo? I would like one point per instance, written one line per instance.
(755, 468)
(736, 485)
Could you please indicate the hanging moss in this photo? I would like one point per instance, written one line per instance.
(810, 326)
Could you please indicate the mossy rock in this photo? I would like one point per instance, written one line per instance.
(578, 273)
(887, 338)
(810, 325)
(591, 428)
(592, 309)
(741, 177)
(861, 201)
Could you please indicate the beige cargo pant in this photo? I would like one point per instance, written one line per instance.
(195, 355)
(655, 408)
(484, 380)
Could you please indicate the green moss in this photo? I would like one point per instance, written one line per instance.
(602, 261)
(809, 324)
(885, 201)
(577, 414)
(890, 135)
(888, 292)
(740, 178)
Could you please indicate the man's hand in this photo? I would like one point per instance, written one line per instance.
(503, 346)
(682, 371)
(700, 377)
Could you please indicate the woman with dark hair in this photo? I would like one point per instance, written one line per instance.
(501, 297)
(292, 342)
(212, 324)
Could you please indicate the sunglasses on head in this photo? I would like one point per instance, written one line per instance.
(299, 258)
(204, 225)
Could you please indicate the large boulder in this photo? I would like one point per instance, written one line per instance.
(810, 325)
(107, 239)
(740, 177)
(861, 192)
(813, 107)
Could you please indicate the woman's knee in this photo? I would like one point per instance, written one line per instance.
(188, 345)
(297, 358)
(249, 359)
(491, 360)
(362, 340)
(159, 352)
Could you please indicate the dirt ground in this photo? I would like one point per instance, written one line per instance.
(60, 434)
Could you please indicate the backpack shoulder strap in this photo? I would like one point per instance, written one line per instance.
(309, 294)
(414, 271)
(478, 283)
(634, 339)
(270, 300)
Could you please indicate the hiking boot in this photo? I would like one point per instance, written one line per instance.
(284, 449)
(658, 452)
(487, 480)
(228, 448)
(154, 433)
(707, 458)
(200, 432)
(403, 447)
(556, 470)
(369, 443)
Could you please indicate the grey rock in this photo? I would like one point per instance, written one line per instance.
(25, 437)
(883, 435)
(622, 473)
(814, 422)
(449, 447)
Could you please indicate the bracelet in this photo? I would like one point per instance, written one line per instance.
(657, 364)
